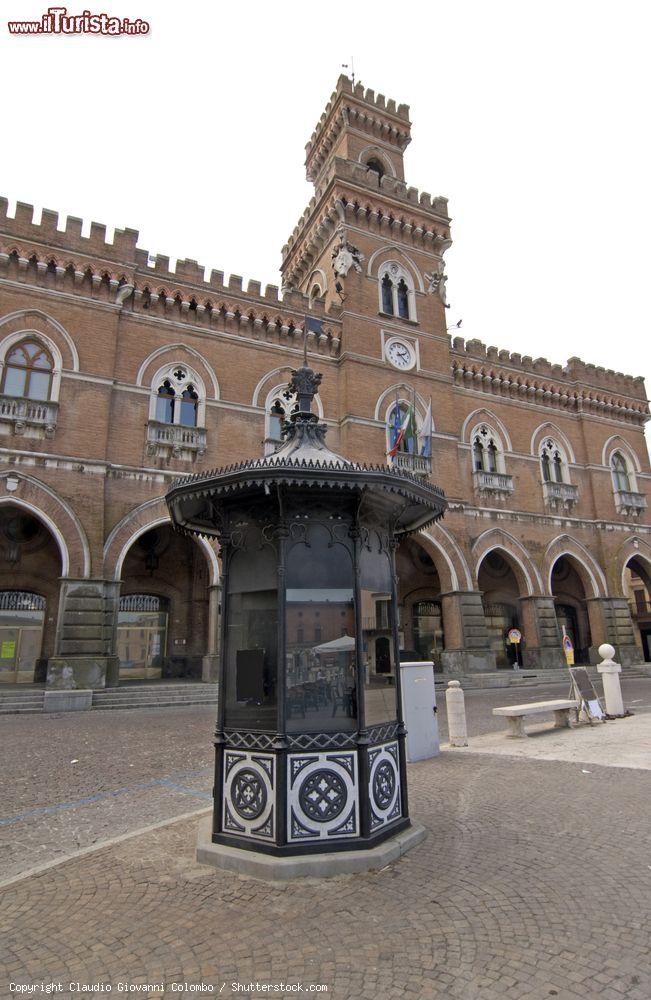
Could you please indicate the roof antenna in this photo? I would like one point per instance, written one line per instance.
(352, 68)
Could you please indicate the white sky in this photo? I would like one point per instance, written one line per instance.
(531, 117)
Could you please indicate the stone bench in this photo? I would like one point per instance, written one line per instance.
(515, 714)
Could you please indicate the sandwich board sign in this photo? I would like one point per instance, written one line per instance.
(585, 694)
(568, 649)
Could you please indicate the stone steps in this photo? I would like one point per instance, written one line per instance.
(21, 702)
(156, 696)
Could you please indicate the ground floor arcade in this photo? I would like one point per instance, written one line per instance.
(153, 610)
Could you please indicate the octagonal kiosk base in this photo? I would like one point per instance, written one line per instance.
(278, 869)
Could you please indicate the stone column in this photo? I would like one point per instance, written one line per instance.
(467, 646)
(542, 648)
(209, 671)
(611, 622)
(85, 645)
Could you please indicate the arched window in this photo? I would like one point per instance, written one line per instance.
(165, 403)
(374, 164)
(403, 299)
(552, 463)
(177, 397)
(387, 295)
(621, 478)
(28, 371)
(189, 401)
(396, 291)
(487, 453)
(280, 408)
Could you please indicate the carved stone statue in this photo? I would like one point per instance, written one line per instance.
(436, 281)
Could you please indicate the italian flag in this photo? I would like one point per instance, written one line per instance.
(406, 430)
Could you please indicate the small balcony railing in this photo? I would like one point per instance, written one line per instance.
(29, 413)
(561, 494)
(493, 482)
(175, 440)
(628, 502)
(418, 465)
(380, 624)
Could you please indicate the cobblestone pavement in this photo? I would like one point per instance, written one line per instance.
(134, 768)
(534, 881)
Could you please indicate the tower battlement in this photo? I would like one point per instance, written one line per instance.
(356, 117)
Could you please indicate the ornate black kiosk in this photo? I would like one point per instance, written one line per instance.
(310, 754)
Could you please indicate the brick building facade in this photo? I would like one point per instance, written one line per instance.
(118, 375)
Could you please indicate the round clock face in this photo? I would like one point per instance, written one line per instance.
(400, 353)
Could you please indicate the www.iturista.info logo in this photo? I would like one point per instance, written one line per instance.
(57, 21)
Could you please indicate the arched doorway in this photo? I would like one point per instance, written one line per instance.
(569, 601)
(637, 581)
(163, 614)
(30, 569)
(142, 636)
(500, 598)
(419, 599)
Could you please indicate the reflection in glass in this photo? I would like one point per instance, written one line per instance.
(320, 672)
(251, 651)
(378, 623)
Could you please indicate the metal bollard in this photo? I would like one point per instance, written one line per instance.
(456, 708)
(610, 671)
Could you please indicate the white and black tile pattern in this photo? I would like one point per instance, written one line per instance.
(249, 794)
(322, 798)
(384, 785)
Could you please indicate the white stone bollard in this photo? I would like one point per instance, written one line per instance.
(456, 708)
(610, 671)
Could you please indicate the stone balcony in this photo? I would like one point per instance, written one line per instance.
(630, 503)
(175, 441)
(418, 465)
(34, 418)
(560, 496)
(492, 484)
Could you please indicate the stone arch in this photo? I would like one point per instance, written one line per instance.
(55, 513)
(448, 558)
(271, 383)
(17, 325)
(178, 352)
(525, 570)
(618, 443)
(485, 416)
(134, 524)
(375, 153)
(549, 429)
(317, 277)
(387, 398)
(592, 576)
(632, 548)
(393, 252)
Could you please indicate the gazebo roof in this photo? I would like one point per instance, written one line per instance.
(304, 462)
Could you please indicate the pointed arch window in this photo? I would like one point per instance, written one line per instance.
(621, 477)
(490, 477)
(396, 291)
(487, 453)
(403, 299)
(280, 407)
(387, 295)
(28, 371)
(553, 464)
(165, 403)
(189, 403)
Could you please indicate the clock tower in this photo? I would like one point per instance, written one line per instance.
(371, 247)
